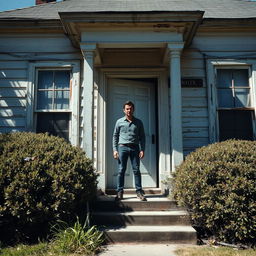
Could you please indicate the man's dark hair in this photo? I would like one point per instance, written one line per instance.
(129, 103)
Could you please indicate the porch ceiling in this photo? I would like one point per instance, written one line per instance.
(130, 57)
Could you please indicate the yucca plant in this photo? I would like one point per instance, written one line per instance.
(77, 239)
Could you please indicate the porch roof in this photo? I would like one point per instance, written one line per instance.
(214, 9)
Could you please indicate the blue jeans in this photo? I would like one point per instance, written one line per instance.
(124, 153)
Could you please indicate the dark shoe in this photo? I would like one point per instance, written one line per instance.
(141, 196)
(119, 196)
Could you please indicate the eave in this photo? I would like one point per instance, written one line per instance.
(228, 25)
(17, 25)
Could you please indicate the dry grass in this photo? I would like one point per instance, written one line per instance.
(214, 251)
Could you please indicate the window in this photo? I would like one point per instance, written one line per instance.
(53, 99)
(52, 102)
(234, 103)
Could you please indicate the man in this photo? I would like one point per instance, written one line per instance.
(129, 142)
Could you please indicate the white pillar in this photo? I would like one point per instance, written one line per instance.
(175, 104)
(88, 51)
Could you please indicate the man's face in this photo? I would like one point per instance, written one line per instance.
(128, 110)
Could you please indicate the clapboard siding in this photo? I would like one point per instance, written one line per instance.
(17, 52)
(13, 92)
(194, 103)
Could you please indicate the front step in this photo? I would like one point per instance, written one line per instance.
(142, 218)
(131, 203)
(131, 220)
(155, 234)
(132, 191)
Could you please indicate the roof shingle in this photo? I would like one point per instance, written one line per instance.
(217, 9)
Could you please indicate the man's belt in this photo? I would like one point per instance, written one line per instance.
(129, 145)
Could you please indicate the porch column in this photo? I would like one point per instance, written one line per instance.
(175, 104)
(88, 51)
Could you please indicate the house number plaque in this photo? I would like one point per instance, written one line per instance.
(191, 82)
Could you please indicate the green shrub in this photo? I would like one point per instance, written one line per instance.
(80, 239)
(42, 178)
(217, 183)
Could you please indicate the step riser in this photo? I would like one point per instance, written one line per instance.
(132, 191)
(140, 220)
(133, 206)
(170, 237)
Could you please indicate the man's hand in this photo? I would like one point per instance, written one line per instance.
(141, 154)
(115, 154)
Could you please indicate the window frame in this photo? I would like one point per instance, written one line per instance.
(212, 66)
(74, 67)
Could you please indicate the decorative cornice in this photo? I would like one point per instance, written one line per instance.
(184, 22)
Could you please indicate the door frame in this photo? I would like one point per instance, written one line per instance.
(162, 108)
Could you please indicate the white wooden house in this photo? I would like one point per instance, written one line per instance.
(188, 65)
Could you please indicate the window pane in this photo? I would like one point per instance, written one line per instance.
(242, 98)
(62, 79)
(45, 79)
(56, 124)
(62, 100)
(225, 98)
(241, 77)
(235, 124)
(224, 78)
(44, 99)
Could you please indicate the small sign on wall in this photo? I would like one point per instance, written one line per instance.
(192, 82)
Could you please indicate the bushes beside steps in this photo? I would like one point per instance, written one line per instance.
(42, 179)
(217, 183)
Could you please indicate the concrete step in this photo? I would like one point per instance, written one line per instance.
(174, 217)
(132, 191)
(131, 203)
(153, 234)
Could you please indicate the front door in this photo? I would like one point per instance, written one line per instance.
(142, 94)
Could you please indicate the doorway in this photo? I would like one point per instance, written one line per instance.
(142, 92)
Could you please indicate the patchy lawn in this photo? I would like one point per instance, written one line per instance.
(214, 251)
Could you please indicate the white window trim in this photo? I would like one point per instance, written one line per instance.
(74, 100)
(212, 64)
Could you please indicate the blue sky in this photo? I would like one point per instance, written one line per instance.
(6, 5)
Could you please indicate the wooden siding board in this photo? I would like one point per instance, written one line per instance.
(12, 93)
(195, 72)
(192, 143)
(193, 92)
(13, 65)
(195, 122)
(12, 122)
(13, 112)
(194, 112)
(12, 102)
(13, 73)
(12, 129)
(195, 132)
(13, 83)
(194, 102)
